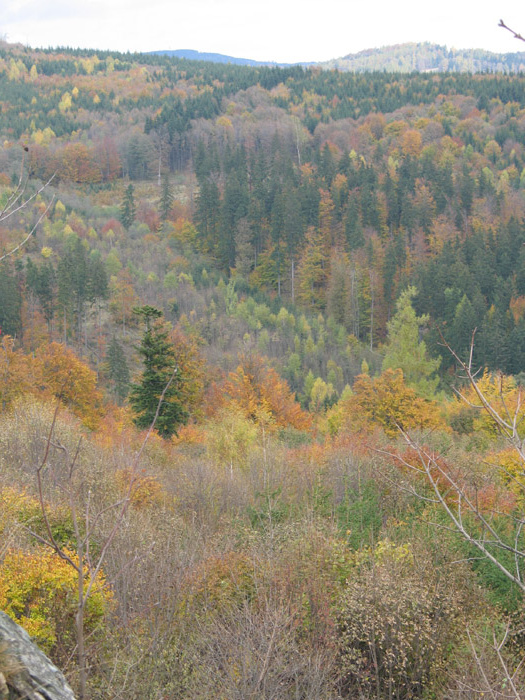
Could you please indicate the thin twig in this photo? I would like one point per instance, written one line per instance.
(508, 677)
(515, 34)
(31, 232)
(480, 665)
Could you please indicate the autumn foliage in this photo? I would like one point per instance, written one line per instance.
(38, 590)
(53, 371)
(385, 401)
(263, 396)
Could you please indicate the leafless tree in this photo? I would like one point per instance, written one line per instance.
(495, 671)
(457, 492)
(88, 561)
(18, 200)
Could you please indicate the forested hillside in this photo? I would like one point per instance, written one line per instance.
(427, 57)
(235, 303)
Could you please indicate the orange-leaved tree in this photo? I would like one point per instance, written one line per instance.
(57, 371)
(53, 371)
(263, 396)
(13, 372)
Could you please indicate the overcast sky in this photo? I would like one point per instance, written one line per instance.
(273, 30)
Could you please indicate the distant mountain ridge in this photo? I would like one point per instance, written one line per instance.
(421, 57)
(426, 58)
(193, 55)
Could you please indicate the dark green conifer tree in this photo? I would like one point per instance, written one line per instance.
(234, 208)
(160, 375)
(460, 333)
(118, 370)
(166, 199)
(10, 302)
(73, 289)
(353, 228)
(42, 281)
(97, 278)
(207, 215)
(128, 209)
(369, 207)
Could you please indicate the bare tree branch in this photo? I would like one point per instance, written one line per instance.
(515, 34)
(13, 207)
(87, 569)
(457, 493)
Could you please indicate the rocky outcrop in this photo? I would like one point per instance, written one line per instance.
(25, 671)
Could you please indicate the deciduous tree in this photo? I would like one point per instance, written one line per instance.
(406, 351)
(386, 401)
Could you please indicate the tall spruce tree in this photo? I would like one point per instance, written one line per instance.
(166, 199)
(73, 285)
(128, 209)
(353, 227)
(41, 281)
(10, 302)
(160, 371)
(117, 370)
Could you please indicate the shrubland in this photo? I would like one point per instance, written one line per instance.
(257, 558)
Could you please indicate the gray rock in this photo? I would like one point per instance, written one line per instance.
(25, 670)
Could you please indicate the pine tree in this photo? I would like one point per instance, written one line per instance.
(166, 199)
(160, 375)
(41, 281)
(462, 327)
(73, 285)
(338, 295)
(234, 208)
(10, 302)
(353, 228)
(117, 370)
(244, 250)
(128, 209)
(97, 283)
(207, 215)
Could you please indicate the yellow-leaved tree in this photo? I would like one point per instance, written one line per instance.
(39, 591)
(387, 402)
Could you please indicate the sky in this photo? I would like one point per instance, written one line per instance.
(274, 30)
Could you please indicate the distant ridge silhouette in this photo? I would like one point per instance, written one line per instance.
(422, 57)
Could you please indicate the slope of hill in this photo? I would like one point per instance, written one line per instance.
(427, 57)
(192, 55)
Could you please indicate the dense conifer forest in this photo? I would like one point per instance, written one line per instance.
(262, 349)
